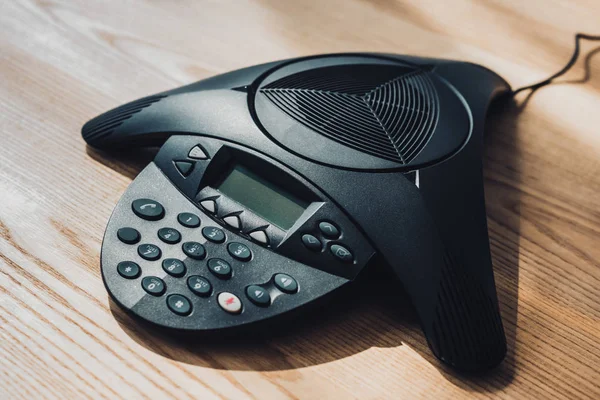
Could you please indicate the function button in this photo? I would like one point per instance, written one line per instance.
(148, 209)
(128, 269)
(194, 250)
(329, 230)
(197, 153)
(286, 283)
(229, 302)
(199, 285)
(153, 285)
(311, 242)
(213, 234)
(188, 220)
(184, 167)
(169, 235)
(149, 252)
(233, 221)
(220, 268)
(209, 205)
(239, 251)
(128, 235)
(258, 295)
(259, 236)
(174, 267)
(342, 253)
(179, 304)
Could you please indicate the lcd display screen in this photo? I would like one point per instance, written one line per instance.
(265, 199)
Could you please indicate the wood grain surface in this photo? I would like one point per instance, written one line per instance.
(63, 62)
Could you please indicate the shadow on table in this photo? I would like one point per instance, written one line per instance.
(372, 312)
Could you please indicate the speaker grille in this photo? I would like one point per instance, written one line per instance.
(467, 328)
(105, 124)
(387, 111)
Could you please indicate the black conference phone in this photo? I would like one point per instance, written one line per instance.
(277, 184)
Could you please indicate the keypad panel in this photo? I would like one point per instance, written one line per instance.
(156, 279)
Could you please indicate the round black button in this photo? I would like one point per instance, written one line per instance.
(194, 250)
(220, 268)
(174, 267)
(286, 283)
(213, 234)
(239, 251)
(148, 209)
(258, 295)
(329, 230)
(189, 220)
(128, 235)
(128, 269)
(342, 253)
(169, 235)
(311, 242)
(149, 252)
(199, 285)
(153, 285)
(179, 304)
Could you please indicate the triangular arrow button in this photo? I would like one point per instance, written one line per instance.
(184, 167)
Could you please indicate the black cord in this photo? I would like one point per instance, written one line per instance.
(571, 62)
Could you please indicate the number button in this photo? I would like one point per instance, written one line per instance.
(219, 268)
(149, 252)
(150, 210)
(179, 304)
(194, 250)
(174, 267)
(213, 234)
(199, 285)
(153, 285)
(169, 235)
(188, 220)
(239, 251)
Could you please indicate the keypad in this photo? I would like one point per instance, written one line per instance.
(177, 297)
(169, 235)
(179, 304)
(194, 250)
(213, 234)
(239, 251)
(174, 267)
(128, 235)
(154, 285)
(219, 268)
(149, 252)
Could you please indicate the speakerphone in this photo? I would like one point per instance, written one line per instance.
(277, 184)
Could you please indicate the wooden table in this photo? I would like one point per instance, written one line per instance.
(63, 62)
